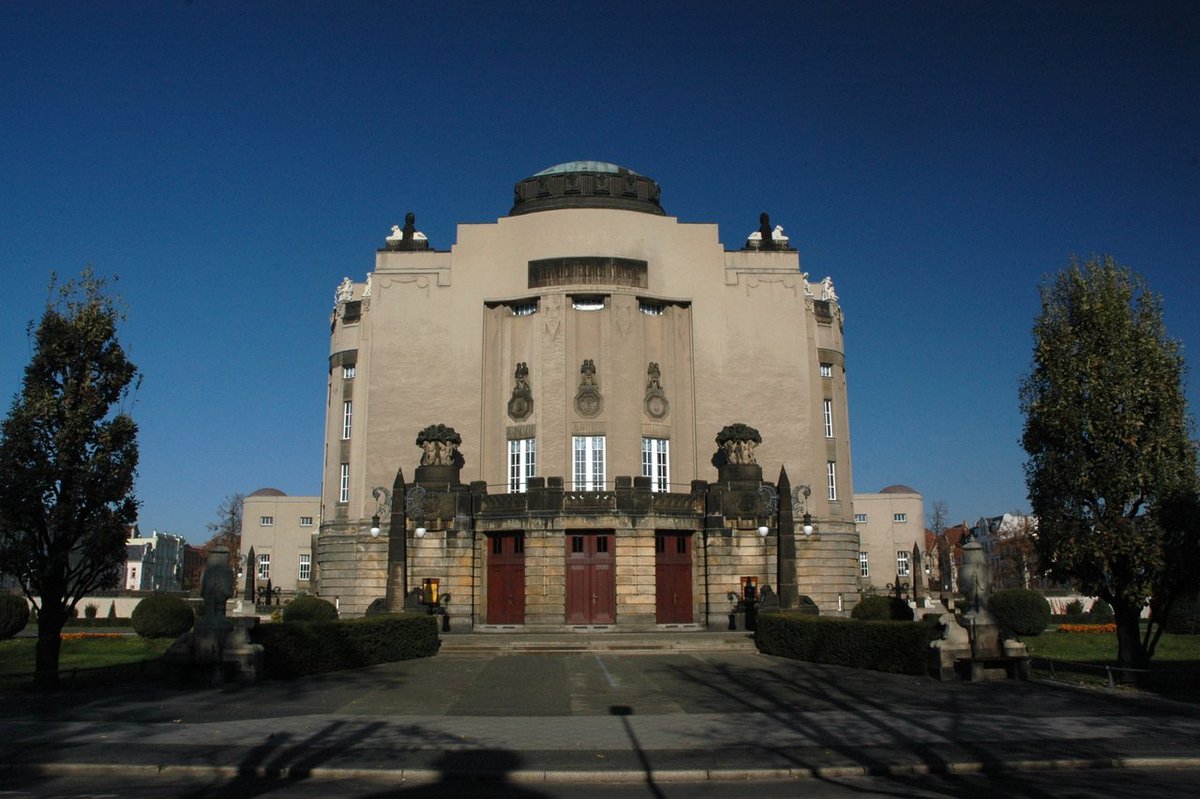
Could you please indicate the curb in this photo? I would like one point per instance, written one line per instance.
(533, 776)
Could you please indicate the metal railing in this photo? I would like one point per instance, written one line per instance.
(1109, 671)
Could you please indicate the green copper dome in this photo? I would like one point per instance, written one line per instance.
(585, 166)
(586, 184)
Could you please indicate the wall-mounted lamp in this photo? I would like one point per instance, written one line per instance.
(797, 503)
(770, 504)
(383, 499)
(414, 504)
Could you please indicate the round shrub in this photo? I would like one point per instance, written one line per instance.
(14, 615)
(1185, 616)
(162, 616)
(309, 608)
(1022, 611)
(878, 607)
(1100, 613)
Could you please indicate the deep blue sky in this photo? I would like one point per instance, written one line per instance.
(231, 161)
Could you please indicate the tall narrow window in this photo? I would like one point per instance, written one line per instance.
(347, 412)
(348, 372)
(864, 566)
(305, 570)
(902, 563)
(656, 463)
(828, 411)
(344, 488)
(589, 463)
(826, 370)
(831, 478)
(264, 567)
(521, 464)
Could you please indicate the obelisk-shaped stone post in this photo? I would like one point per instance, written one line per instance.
(785, 557)
(397, 549)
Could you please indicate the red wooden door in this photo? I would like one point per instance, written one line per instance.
(506, 578)
(673, 578)
(591, 578)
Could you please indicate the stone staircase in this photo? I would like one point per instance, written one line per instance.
(659, 642)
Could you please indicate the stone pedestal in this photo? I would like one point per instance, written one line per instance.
(222, 644)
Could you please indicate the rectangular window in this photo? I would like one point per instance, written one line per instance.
(589, 463)
(306, 521)
(899, 517)
(524, 308)
(828, 411)
(650, 308)
(826, 370)
(347, 412)
(831, 479)
(656, 463)
(902, 563)
(264, 567)
(864, 567)
(266, 521)
(521, 464)
(587, 303)
(344, 487)
(348, 372)
(305, 570)
(860, 518)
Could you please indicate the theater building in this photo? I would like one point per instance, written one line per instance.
(587, 415)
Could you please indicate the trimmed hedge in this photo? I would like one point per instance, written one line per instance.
(878, 645)
(309, 608)
(880, 607)
(1185, 617)
(162, 616)
(1022, 611)
(294, 650)
(14, 615)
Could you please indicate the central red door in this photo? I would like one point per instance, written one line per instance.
(591, 578)
(673, 578)
(506, 578)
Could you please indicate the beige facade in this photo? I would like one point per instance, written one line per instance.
(583, 346)
(280, 529)
(890, 523)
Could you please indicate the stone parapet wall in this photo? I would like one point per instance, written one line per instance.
(353, 570)
(827, 566)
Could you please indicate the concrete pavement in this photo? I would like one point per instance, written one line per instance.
(606, 715)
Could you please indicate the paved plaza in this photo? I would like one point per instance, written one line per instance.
(529, 717)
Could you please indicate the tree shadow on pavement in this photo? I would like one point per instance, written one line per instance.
(792, 696)
(469, 774)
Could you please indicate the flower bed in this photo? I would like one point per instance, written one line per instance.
(1087, 628)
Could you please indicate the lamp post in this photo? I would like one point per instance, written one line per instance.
(414, 506)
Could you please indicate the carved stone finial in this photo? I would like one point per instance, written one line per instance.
(439, 446)
(738, 442)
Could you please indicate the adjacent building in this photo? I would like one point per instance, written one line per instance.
(154, 562)
(585, 414)
(277, 532)
(891, 525)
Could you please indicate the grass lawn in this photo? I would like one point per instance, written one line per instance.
(1175, 668)
(110, 652)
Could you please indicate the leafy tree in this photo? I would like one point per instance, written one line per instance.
(227, 529)
(68, 455)
(1110, 460)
